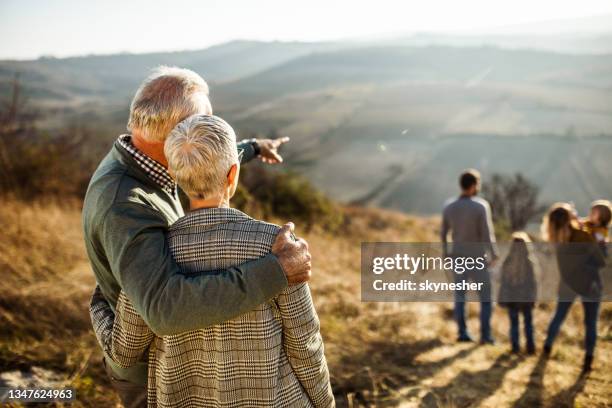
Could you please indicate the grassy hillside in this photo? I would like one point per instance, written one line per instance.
(379, 354)
(45, 331)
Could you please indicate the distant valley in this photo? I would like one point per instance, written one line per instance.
(388, 124)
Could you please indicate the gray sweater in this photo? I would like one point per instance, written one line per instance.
(468, 219)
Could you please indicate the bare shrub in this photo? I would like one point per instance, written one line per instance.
(35, 163)
(287, 196)
(513, 199)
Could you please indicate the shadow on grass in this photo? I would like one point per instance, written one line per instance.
(386, 367)
(533, 396)
(567, 397)
(480, 384)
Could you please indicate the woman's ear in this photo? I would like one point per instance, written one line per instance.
(231, 175)
(232, 178)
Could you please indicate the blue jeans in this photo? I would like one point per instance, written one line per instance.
(513, 313)
(478, 276)
(591, 312)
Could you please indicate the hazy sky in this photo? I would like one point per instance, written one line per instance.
(31, 28)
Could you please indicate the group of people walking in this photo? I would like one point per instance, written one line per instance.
(580, 247)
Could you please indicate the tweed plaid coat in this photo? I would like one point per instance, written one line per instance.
(272, 356)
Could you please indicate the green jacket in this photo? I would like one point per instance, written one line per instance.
(125, 218)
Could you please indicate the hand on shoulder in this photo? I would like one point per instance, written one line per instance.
(293, 255)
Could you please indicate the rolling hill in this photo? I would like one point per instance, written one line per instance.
(393, 126)
(382, 123)
(112, 79)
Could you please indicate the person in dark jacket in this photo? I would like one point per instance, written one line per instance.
(518, 290)
(579, 259)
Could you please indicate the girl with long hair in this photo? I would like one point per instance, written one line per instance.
(518, 289)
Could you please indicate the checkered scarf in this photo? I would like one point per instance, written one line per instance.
(156, 172)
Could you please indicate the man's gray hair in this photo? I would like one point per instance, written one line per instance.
(201, 151)
(167, 96)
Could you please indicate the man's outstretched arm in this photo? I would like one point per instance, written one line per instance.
(247, 150)
(170, 302)
(265, 149)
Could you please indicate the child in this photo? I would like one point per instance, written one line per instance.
(518, 289)
(598, 223)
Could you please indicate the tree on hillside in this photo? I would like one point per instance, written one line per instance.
(14, 120)
(35, 163)
(513, 199)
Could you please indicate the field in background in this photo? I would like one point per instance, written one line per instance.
(385, 123)
(379, 354)
(374, 123)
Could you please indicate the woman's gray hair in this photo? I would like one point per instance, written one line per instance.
(201, 151)
(167, 96)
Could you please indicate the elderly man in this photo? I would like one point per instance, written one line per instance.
(269, 356)
(130, 203)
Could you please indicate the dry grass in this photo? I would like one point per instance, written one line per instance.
(379, 354)
(44, 294)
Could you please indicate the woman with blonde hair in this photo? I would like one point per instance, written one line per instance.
(579, 259)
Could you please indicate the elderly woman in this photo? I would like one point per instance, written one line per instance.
(270, 356)
(579, 259)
